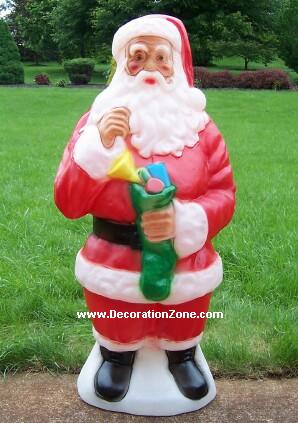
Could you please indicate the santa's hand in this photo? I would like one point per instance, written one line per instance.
(113, 124)
(159, 225)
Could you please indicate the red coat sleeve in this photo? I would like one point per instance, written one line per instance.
(74, 191)
(219, 200)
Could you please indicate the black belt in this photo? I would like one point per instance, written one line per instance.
(118, 233)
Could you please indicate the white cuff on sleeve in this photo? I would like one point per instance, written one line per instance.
(191, 228)
(91, 155)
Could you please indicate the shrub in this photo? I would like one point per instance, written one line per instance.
(42, 79)
(201, 76)
(275, 79)
(79, 70)
(206, 79)
(272, 79)
(248, 79)
(11, 68)
(61, 83)
(223, 79)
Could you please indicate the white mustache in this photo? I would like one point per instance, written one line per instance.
(167, 85)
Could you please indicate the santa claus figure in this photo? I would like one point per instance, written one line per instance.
(152, 111)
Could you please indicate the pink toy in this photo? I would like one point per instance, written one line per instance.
(154, 185)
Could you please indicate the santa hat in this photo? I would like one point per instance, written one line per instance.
(168, 27)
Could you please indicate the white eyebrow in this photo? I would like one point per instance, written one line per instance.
(163, 47)
(137, 46)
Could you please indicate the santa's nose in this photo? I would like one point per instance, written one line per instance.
(150, 65)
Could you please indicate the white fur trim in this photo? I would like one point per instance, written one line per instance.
(145, 25)
(166, 344)
(163, 344)
(91, 155)
(124, 284)
(191, 228)
(116, 346)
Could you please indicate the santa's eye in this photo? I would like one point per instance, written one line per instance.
(139, 56)
(160, 58)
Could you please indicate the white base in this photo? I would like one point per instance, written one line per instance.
(152, 390)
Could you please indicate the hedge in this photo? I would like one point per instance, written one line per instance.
(271, 79)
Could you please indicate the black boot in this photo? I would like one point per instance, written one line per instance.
(112, 379)
(188, 377)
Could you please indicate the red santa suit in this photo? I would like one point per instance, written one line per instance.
(204, 204)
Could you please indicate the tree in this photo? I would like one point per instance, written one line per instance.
(11, 69)
(240, 38)
(288, 34)
(35, 27)
(116, 13)
(72, 28)
(204, 21)
(198, 17)
(86, 27)
(30, 24)
(17, 8)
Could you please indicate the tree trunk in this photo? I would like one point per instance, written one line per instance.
(36, 59)
(82, 48)
(246, 63)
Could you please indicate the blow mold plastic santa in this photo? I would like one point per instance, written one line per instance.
(151, 167)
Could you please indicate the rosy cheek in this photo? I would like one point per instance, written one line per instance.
(133, 67)
(166, 69)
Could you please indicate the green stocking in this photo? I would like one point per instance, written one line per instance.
(158, 259)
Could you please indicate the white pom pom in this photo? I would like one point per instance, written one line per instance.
(197, 99)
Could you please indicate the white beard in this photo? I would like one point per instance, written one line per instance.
(165, 117)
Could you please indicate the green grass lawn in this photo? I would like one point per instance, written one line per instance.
(39, 295)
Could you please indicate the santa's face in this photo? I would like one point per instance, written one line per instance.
(166, 113)
(149, 53)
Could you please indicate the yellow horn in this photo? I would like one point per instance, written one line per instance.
(124, 168)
